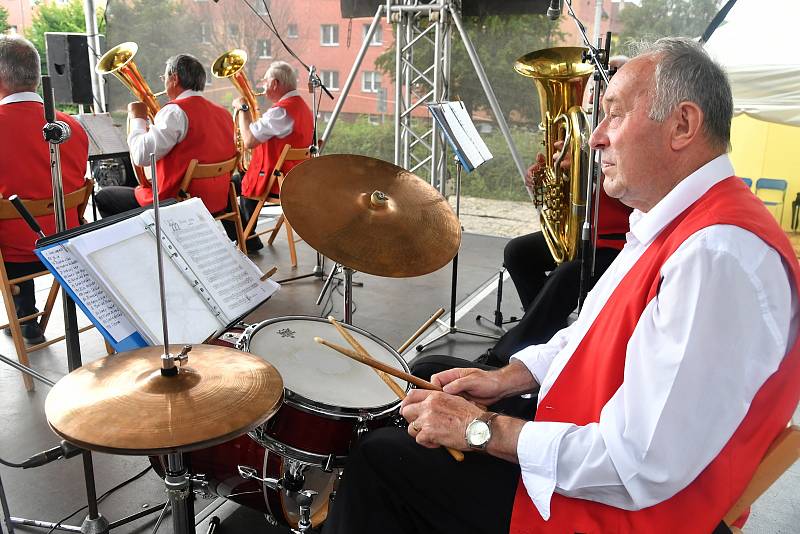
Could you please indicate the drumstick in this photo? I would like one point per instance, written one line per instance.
(422, 329)
(375, 364)
(394, 386)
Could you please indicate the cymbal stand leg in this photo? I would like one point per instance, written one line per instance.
(6, 512)
(328, 281)
(179, 493)
(348, 295)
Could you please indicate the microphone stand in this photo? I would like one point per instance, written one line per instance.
(599, 56)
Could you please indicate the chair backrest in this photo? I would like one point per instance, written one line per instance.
(780, 456)
(77, 199)
(748, 182)
(197, 170)
(776, 184)
(291, 154)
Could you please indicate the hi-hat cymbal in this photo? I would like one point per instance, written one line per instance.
(123, 405)
(370, 215)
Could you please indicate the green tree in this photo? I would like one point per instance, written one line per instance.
(3, 19)
(666, 18)
(55, 17)
(498, 41)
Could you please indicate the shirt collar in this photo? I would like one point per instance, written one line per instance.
(189, 92)
(646, 226)
(290, 94)
(24, 96)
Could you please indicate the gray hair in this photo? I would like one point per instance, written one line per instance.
(20, 67)
(284, 73)
(685, 72)
(191, 74)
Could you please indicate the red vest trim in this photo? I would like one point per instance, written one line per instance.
(266, 154)
(596, 370)
(25, 164)
(209, 139)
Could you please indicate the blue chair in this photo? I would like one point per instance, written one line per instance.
(748, 182)
(778, 188)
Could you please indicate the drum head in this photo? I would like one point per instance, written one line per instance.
(319, 373)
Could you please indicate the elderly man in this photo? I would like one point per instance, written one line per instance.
(25, 164)
(655, 407)
(288, 122)
(188, 127)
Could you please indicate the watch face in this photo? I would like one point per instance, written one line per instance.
(478, 433)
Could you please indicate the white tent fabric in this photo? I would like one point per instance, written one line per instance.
(755, 45)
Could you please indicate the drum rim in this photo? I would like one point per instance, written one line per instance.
(315, 407)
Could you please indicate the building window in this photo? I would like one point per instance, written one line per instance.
(330, 78)
(204, 34)
(371, 81)
(264, 47)
(291, 31)
(377, 37)
(330, 35)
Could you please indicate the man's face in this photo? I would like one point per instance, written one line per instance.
(171, 84)
(635, 149)
(271, 89)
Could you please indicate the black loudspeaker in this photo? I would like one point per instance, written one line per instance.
(68, 67)
(469, 8)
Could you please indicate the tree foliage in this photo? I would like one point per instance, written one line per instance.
(3, 19)
(666, 18)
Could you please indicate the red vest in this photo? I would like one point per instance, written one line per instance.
(612, 219)
(595, 372)
(209, 139)
(25, 171)
(266, 154)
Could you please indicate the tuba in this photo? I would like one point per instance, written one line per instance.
(559, 194)
(119, 62)
(230, 65)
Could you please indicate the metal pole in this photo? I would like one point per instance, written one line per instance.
(93, 37)
(159, 261)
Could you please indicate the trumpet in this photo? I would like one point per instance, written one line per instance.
(230, 65)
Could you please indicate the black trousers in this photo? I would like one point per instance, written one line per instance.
(247, 206)
(392, 485)
(25, 301)
(114, 199)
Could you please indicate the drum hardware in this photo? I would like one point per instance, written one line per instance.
(292, 485)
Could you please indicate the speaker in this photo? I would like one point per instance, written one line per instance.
(469, 8)
(68, 67)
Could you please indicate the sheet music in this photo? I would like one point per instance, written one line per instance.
(89, 292)
(230, 277)
(104, 136)
(462, 138)
(469, 128)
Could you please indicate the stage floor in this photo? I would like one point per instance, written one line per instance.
(391, 309)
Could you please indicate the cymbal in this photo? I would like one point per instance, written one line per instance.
(121, 404)
(370, 215)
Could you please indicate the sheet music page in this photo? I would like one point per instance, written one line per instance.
(89, 292)
(467, 145)
(465, 120)
(104, 136)
(229, 276)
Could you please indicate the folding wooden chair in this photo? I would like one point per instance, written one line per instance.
(77, 199)
(780, 456)
(287, 154)
(199, 171)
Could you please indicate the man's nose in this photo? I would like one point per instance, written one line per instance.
(598, 140)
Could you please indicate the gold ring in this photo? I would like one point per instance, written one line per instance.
(415, 426)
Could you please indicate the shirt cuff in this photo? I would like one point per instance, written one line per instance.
(533, 359)
(137, 125)
(537, 451)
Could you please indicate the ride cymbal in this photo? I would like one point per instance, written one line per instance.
(122, 404)
(370, 215)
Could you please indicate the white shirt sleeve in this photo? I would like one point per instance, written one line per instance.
(169, 128)
(723, 319)
(274, 123)
(537, 358)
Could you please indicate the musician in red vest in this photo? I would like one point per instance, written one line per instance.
(188, 127)
(655, 407)
(288, 121)
(25, 164)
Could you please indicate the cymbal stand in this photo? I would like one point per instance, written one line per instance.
(333, 275)
(293, 486)
(451, 327)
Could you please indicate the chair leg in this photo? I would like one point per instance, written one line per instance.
(237, 219)
(16, 334)
(290, 239)
(251, 224)
(48, 306)
(109, 348)
(275, 229)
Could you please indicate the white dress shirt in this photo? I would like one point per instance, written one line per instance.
(169, 128)
(24, 96)
(274, 123)
(724, 317)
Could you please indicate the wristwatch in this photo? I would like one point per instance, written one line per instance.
(244, 107)
(479, 431)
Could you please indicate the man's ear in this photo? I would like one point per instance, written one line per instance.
(688, 123)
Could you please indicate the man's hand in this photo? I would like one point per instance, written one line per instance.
(487, 387)
(534, 169)
(238, 102)
(438, 419)
(137, 110)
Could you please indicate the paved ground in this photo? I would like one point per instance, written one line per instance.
(502, 218)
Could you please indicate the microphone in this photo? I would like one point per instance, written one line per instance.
(65, 450)
(555, 8)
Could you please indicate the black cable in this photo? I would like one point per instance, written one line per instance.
(273, 29)
(10, 464)
(103, 496)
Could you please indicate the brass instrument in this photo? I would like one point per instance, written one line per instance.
(119, 62)
(560, 78)
(231, 65)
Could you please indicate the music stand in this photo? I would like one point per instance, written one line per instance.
(470, 152)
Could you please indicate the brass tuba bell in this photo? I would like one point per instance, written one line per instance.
(230, 65)
(119, 62)
(560, 78)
